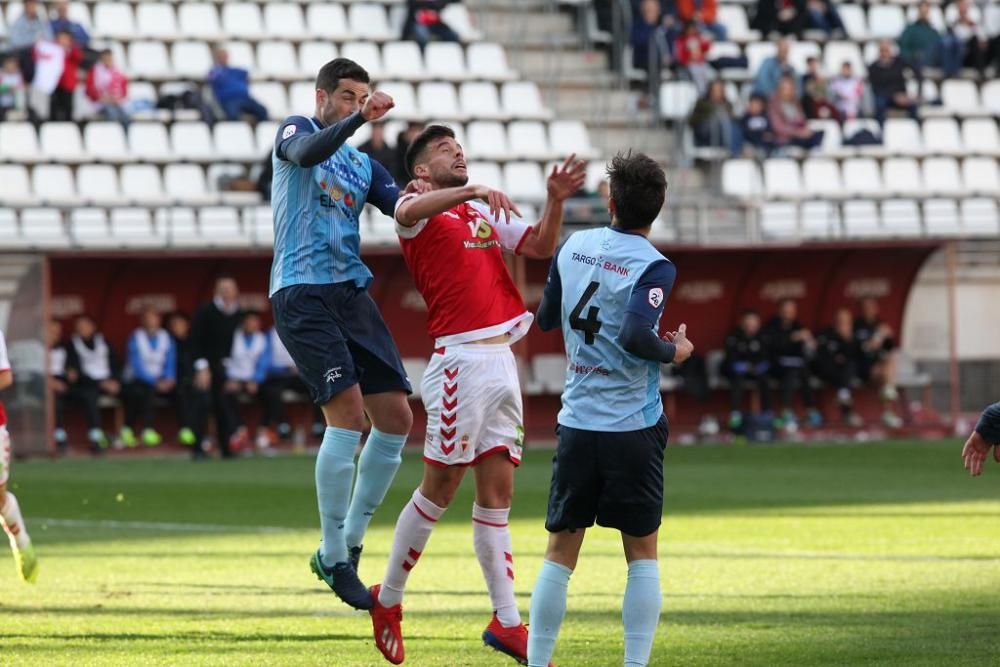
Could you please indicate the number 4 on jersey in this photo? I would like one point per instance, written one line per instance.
(591, 325)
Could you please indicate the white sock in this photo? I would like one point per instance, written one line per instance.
(491, 536)
(13, 524)
(413, 529)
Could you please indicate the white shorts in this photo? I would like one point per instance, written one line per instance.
(4, 455)
(473, 401)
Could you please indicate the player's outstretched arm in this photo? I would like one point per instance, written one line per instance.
(985, 437)
(298, 144)
(562, 183)
(413, 208)
(549, 315)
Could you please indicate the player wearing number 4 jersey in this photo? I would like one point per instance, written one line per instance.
(453, 247)
(10, 511)
(607, 289)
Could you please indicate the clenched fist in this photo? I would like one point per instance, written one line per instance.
(378, 105)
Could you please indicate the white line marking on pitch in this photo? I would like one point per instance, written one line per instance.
(161, 526)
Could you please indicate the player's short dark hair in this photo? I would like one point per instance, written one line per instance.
(415, 152)
(331, 73)
(638, 188)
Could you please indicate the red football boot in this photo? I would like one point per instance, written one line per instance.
(386, 625)
(510, 641)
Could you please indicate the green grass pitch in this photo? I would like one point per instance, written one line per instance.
(875, 554)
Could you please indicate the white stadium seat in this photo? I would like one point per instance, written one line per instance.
(960, 97)
(941, 176)
(836, 53)
(819, 219)
(133, 228)
(901, 217)
(456, 15)
(368, 21)
(524, 181)
(862, 177)
(980, 136)
(178, 224)
(114, 20)
(821, 177)
(284, 20)
(105, 141)
(734, 17)
(192, 141)
(273, 96)
(220, 225)
(403, 96)
(327, 20)
(570, 136)
(313, 55)
(89, 228)
(98, 184)
(488, 61)
(15, 188)
(19, 142)
(941, 137)
(148, 60)
(445, 60)
(402, 60)
(141, 184)
(886, 21)
(44, 228)
(779, 220)
(191, 60)
(186, 183)
(800, 52)
(156, 20)
(981, 176)
(758, 52)
(528, 140)
(741, 178)
(278, 60)
(677, 99)
(523, 100)
(902, 136)
(861, 219)
(266, 132)
(980, 216)
(782, 179)
(854, 20)
(148, 142)
(54, 184)
(61, 141)
(486, 173)
(901, 176)
(262, 226)
(241, 54)
(941, 217)
(199, 20)
(367, 53)
(10, 230)
(242, 20)
(486, 140)
(302, 98)
(234, 140)
(480, 99)
(936, 16)
(438, 100)
(991, 97)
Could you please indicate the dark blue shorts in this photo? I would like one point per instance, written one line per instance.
(338, 339)
(613, 478)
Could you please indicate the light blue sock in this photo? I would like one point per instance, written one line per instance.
(548, 607)
(641, 611)
(334, 477)
(377, 466)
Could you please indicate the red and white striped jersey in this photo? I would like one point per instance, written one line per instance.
(456, 259)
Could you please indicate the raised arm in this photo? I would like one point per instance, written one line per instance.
(564, 180)
(549, 315)
(985, 437)
(413, 208)
(299, 145)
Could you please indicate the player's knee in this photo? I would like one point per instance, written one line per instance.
(346, 411)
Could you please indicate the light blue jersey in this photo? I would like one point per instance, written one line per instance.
(317, 210)
(608, 388)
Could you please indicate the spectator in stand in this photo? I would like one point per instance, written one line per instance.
(816, 102)
(246, 369)
(423, 22)
(378, 150)
(847, 91)
(691, 50)
(772, 69)
(704, 13)
(746, 362)
(151, 370)
(835, 362)
(107, 88)
(822, 15)
(30, 27)
(62, 22)
(921, 45)
(789, 17)
(790, 345)
(13, 91)
(193, 402)
(713, 123)
(756, 127)
(61, 103)
(61, 376)
(651, 40)
(888, 82)
(788, 120)
(212, 334)
(282, 376)
(94, 369)
(976, 49)
(231, 88)
(877, 360)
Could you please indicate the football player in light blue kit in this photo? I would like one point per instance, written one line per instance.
(325, 317)
(607, 288)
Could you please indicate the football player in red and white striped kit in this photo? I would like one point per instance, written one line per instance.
(10, 511)
(453, 245)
